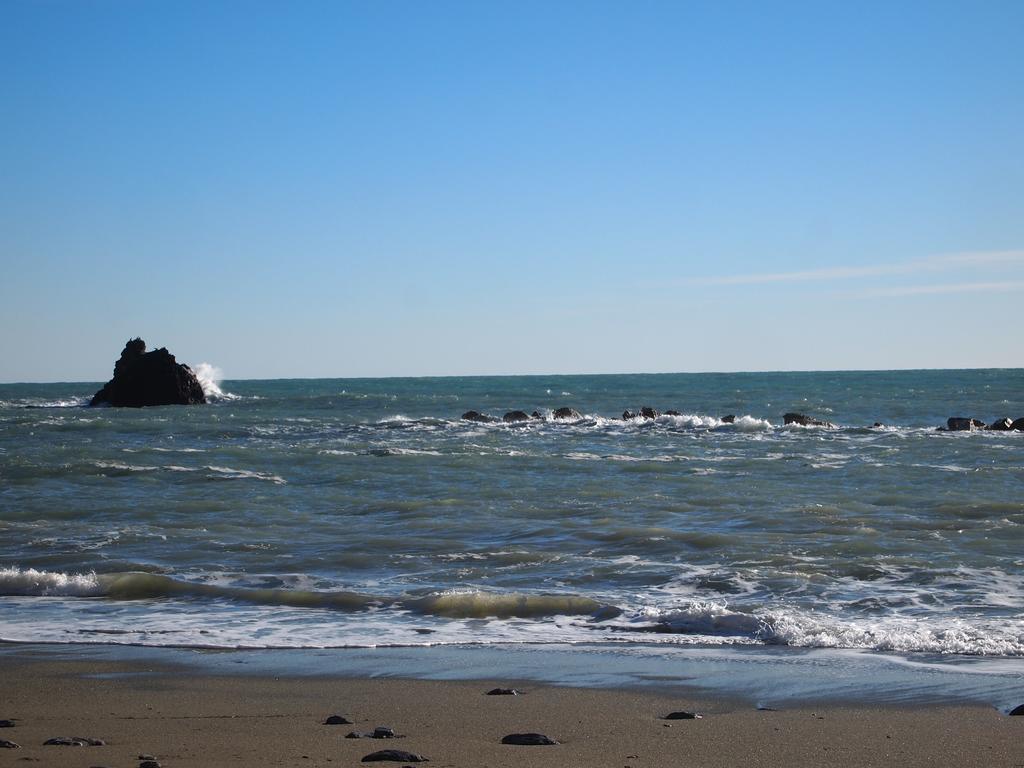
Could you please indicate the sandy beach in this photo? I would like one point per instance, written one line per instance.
(184, 718)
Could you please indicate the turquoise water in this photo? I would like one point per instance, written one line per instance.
(339, 513)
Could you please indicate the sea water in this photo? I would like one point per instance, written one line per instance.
(366, 513)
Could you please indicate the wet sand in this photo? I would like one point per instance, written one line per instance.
(190, 718)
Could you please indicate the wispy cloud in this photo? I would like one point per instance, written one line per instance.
(979, 259)
(1004, 286)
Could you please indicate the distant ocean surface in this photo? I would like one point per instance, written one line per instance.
(363, 513)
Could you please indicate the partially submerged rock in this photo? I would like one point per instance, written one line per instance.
(528, 739)
(480, 417)
(144, 378)
(513, 416)
(1000, 425)
(567, 413)
(805, 421)
(729, 419)
(963, 424)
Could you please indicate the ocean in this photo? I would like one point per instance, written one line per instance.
(364, 513)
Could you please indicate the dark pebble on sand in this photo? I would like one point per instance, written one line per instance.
(337, 720)
(528, 739)
(1018, 711)
(149, 764)
(5, 744)
(355, 735)
(682, 716)
(503, 692)
(394, 755)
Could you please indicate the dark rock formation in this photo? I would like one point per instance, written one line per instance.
(1018, 711)
(5, 744)
(877, 424)
(567, 413)
(673, 413)
(805, 421)
(144, 378)
(513, 416)
(649, 413)
(1000, 425)
(394, 755)
(963, 424)
(477, 416)
(682, 716)
(730, 419)
(536, 415)
(1018, 424)
(627, 415)
(337, 720)
(503, 692)
(528, 739)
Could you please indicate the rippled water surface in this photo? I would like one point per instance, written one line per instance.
(366, 512)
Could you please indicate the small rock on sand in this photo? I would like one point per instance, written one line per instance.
(337, 720)
(149, 764)
(528, 739)
(5, 744)
(682, 716)
(63, 741)
(503, 692)
(6, 723)
(394, 755)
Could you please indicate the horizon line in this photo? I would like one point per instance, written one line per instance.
(542, 375)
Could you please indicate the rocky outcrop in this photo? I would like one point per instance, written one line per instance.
(963, 424)
(805, 421)
(1018, 424)
(1000, 425)
(144, 378)
(673, 413)
(567, 413)
(730, 419)
(514, 416)
(483, 418)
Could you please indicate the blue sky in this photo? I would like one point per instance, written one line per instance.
(399, 188)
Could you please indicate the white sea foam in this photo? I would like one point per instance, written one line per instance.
(30, 582)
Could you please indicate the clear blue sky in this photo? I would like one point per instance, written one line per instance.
(403, 188)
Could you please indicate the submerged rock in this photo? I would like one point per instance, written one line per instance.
(805, 421)
(477, 416)
(528, 739)
(394, 755)
(144, 378)
(567, 413)
(730, 419)
(1018, 424)
(1000, 425)
(672, 413)
(513, 416)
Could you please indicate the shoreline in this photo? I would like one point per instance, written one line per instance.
(190, 715)
(748, 676)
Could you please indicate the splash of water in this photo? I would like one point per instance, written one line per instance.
(210, 377)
